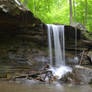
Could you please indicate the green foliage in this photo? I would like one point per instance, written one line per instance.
(50, 11)
(57, 11)
(80, 13)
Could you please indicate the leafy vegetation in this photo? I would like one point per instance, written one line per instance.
(57, 11)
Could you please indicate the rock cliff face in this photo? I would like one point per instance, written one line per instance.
(20, 35)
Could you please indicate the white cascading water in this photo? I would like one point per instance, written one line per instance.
(56, 33)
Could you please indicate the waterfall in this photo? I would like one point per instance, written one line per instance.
(56, 40)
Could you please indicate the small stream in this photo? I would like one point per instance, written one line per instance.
(32, 86)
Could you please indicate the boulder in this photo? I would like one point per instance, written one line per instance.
(83, 74)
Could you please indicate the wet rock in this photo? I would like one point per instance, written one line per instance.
(70, 78)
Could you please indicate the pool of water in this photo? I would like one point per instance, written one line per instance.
(34, 86)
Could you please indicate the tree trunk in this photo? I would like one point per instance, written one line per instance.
(35, 6)
(74, 11)
(85, 20)
(71, 18)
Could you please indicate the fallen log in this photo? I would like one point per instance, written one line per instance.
(39, 75)
(85, 55)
